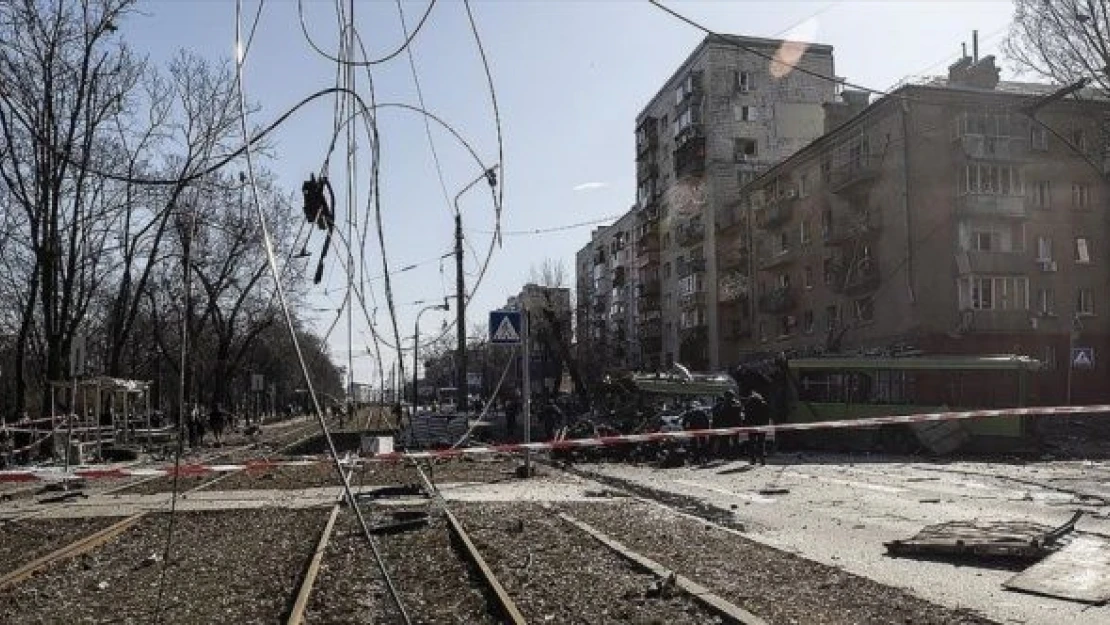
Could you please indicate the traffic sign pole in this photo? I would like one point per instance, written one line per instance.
(526, 382)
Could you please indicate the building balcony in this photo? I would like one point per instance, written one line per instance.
(690, 267)
(778, 300)
(853, 225)
(776, 212)
(986, 205)
(997, 320)
(689, 154)
(645, 170)
(858, 278)
(855, 174)
(690, 233)
(647, 259)
(648, 243)
(692, 300)
(733, 259)
(778, 259)
(994, 148)
(974, 262)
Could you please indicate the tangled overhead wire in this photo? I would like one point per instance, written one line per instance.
(319, 211)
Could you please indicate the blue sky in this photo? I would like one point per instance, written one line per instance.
(570, 76)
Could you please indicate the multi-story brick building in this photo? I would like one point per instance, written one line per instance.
(605, 313)
(943, 217)
(726, 114)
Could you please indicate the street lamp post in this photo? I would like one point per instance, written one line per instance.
(489, 175)
(416, 350)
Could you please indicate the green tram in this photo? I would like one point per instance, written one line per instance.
(844, 388)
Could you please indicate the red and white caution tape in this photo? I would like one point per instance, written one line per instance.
(606, 441)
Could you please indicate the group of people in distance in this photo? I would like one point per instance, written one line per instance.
(750, 409)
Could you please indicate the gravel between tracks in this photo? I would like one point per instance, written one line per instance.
(240, 567)
(23, 541)
(778, 586)
(557, 574)
(349, 587)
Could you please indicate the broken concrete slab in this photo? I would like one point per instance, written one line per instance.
(1080, 571)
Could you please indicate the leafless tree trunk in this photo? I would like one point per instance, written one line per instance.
(1062, 40)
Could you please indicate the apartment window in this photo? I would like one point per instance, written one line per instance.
(826, 223)
(865, 310)
(832, 317)
(1079, 140)
(1080, 195)
(786, 325)
(743, 149)
(827, 271)
(762, 331)
(803, 184)
(826, 168)
(1046, 301)
(743, 81)
(985, 241)
(1082, 251)
(994, 293)
(1042, 194)
(784, 243)
(784, 281)
(991, 179)
(1084, 302)
(746, 113)
(807, 322)
(807, 277)
(666, 240)
(667, 270)
(1044, 248)
(1038, 136)
(803, 231)
(745, 176)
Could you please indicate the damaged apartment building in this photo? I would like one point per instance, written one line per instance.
(654, 287)
(963, 215)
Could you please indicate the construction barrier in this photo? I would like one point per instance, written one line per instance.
(606, 441)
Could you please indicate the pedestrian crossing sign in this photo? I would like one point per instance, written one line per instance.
(1083, 358)
(504, 327)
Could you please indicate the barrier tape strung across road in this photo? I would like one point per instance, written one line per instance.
(606, 441)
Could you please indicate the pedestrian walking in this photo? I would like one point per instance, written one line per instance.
(756, 413)
(217, 421)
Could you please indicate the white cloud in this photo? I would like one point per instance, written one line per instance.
(589, 186)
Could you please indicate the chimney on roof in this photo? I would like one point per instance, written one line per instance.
(972, 71)
(850, 103)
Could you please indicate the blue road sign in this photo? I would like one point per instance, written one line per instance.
(504, 327)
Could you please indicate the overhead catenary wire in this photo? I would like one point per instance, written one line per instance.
(367, 61)
(272, 261)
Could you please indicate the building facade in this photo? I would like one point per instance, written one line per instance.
(725, 115)
(944, 218)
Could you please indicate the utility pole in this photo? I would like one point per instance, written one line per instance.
(460, 316)
(489, 175)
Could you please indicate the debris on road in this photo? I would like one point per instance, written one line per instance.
(1080, 571)
(997, 539)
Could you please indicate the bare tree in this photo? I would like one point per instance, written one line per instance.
(1062, 40)
(65, 79)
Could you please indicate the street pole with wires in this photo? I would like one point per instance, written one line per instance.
(416, 350)
(461, 386)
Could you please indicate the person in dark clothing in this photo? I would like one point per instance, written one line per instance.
(756, 413)
(551, 417)
(217, 420)
(512, 409)
(697, 417)
(728, 413)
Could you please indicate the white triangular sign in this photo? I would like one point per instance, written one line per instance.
(506, 332)
(1082, 359)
